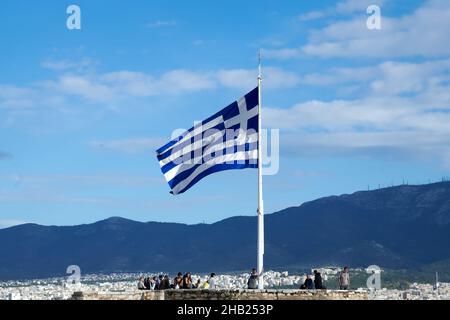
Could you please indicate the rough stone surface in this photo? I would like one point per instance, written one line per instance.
(226, 295)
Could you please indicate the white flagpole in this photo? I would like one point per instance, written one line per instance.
(260, 264)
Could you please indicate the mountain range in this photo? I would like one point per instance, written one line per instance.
(398, 227)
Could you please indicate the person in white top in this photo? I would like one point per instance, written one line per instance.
(141, 285)
(212, 281)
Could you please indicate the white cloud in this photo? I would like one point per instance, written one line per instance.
(422, 33)
(397, 96)
(403, 108)
(60, 65)
(312, 15)
(338, 76)
(392, 144)
(129, 82)
(283, 53)
(113, 87)
(16, 97)
(388, 78)
(369, 127)
(85, 87)
(356, 6)
(341, 115)
(186, 81)
(347, 7)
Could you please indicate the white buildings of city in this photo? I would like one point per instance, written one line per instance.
(58, 288)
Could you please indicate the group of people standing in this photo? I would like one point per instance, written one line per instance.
(179, 282)
(185, 282)
(317, 283)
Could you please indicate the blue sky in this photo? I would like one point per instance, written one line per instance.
(82, 111)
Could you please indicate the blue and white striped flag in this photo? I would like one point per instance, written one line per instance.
(224, 141)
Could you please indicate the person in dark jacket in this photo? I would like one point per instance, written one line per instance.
(318, 281)
(187, 281)
(159, 282)
(165, 283)
(308, 284)
(252, 282)
(178, 281)
(147, 283)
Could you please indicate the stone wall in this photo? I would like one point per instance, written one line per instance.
(226, 295)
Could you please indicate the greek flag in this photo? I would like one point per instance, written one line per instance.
(227, 140)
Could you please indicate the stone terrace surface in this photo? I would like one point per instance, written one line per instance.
(226, 295)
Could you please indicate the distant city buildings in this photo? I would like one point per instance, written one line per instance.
(59, 289)
(415, 292)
